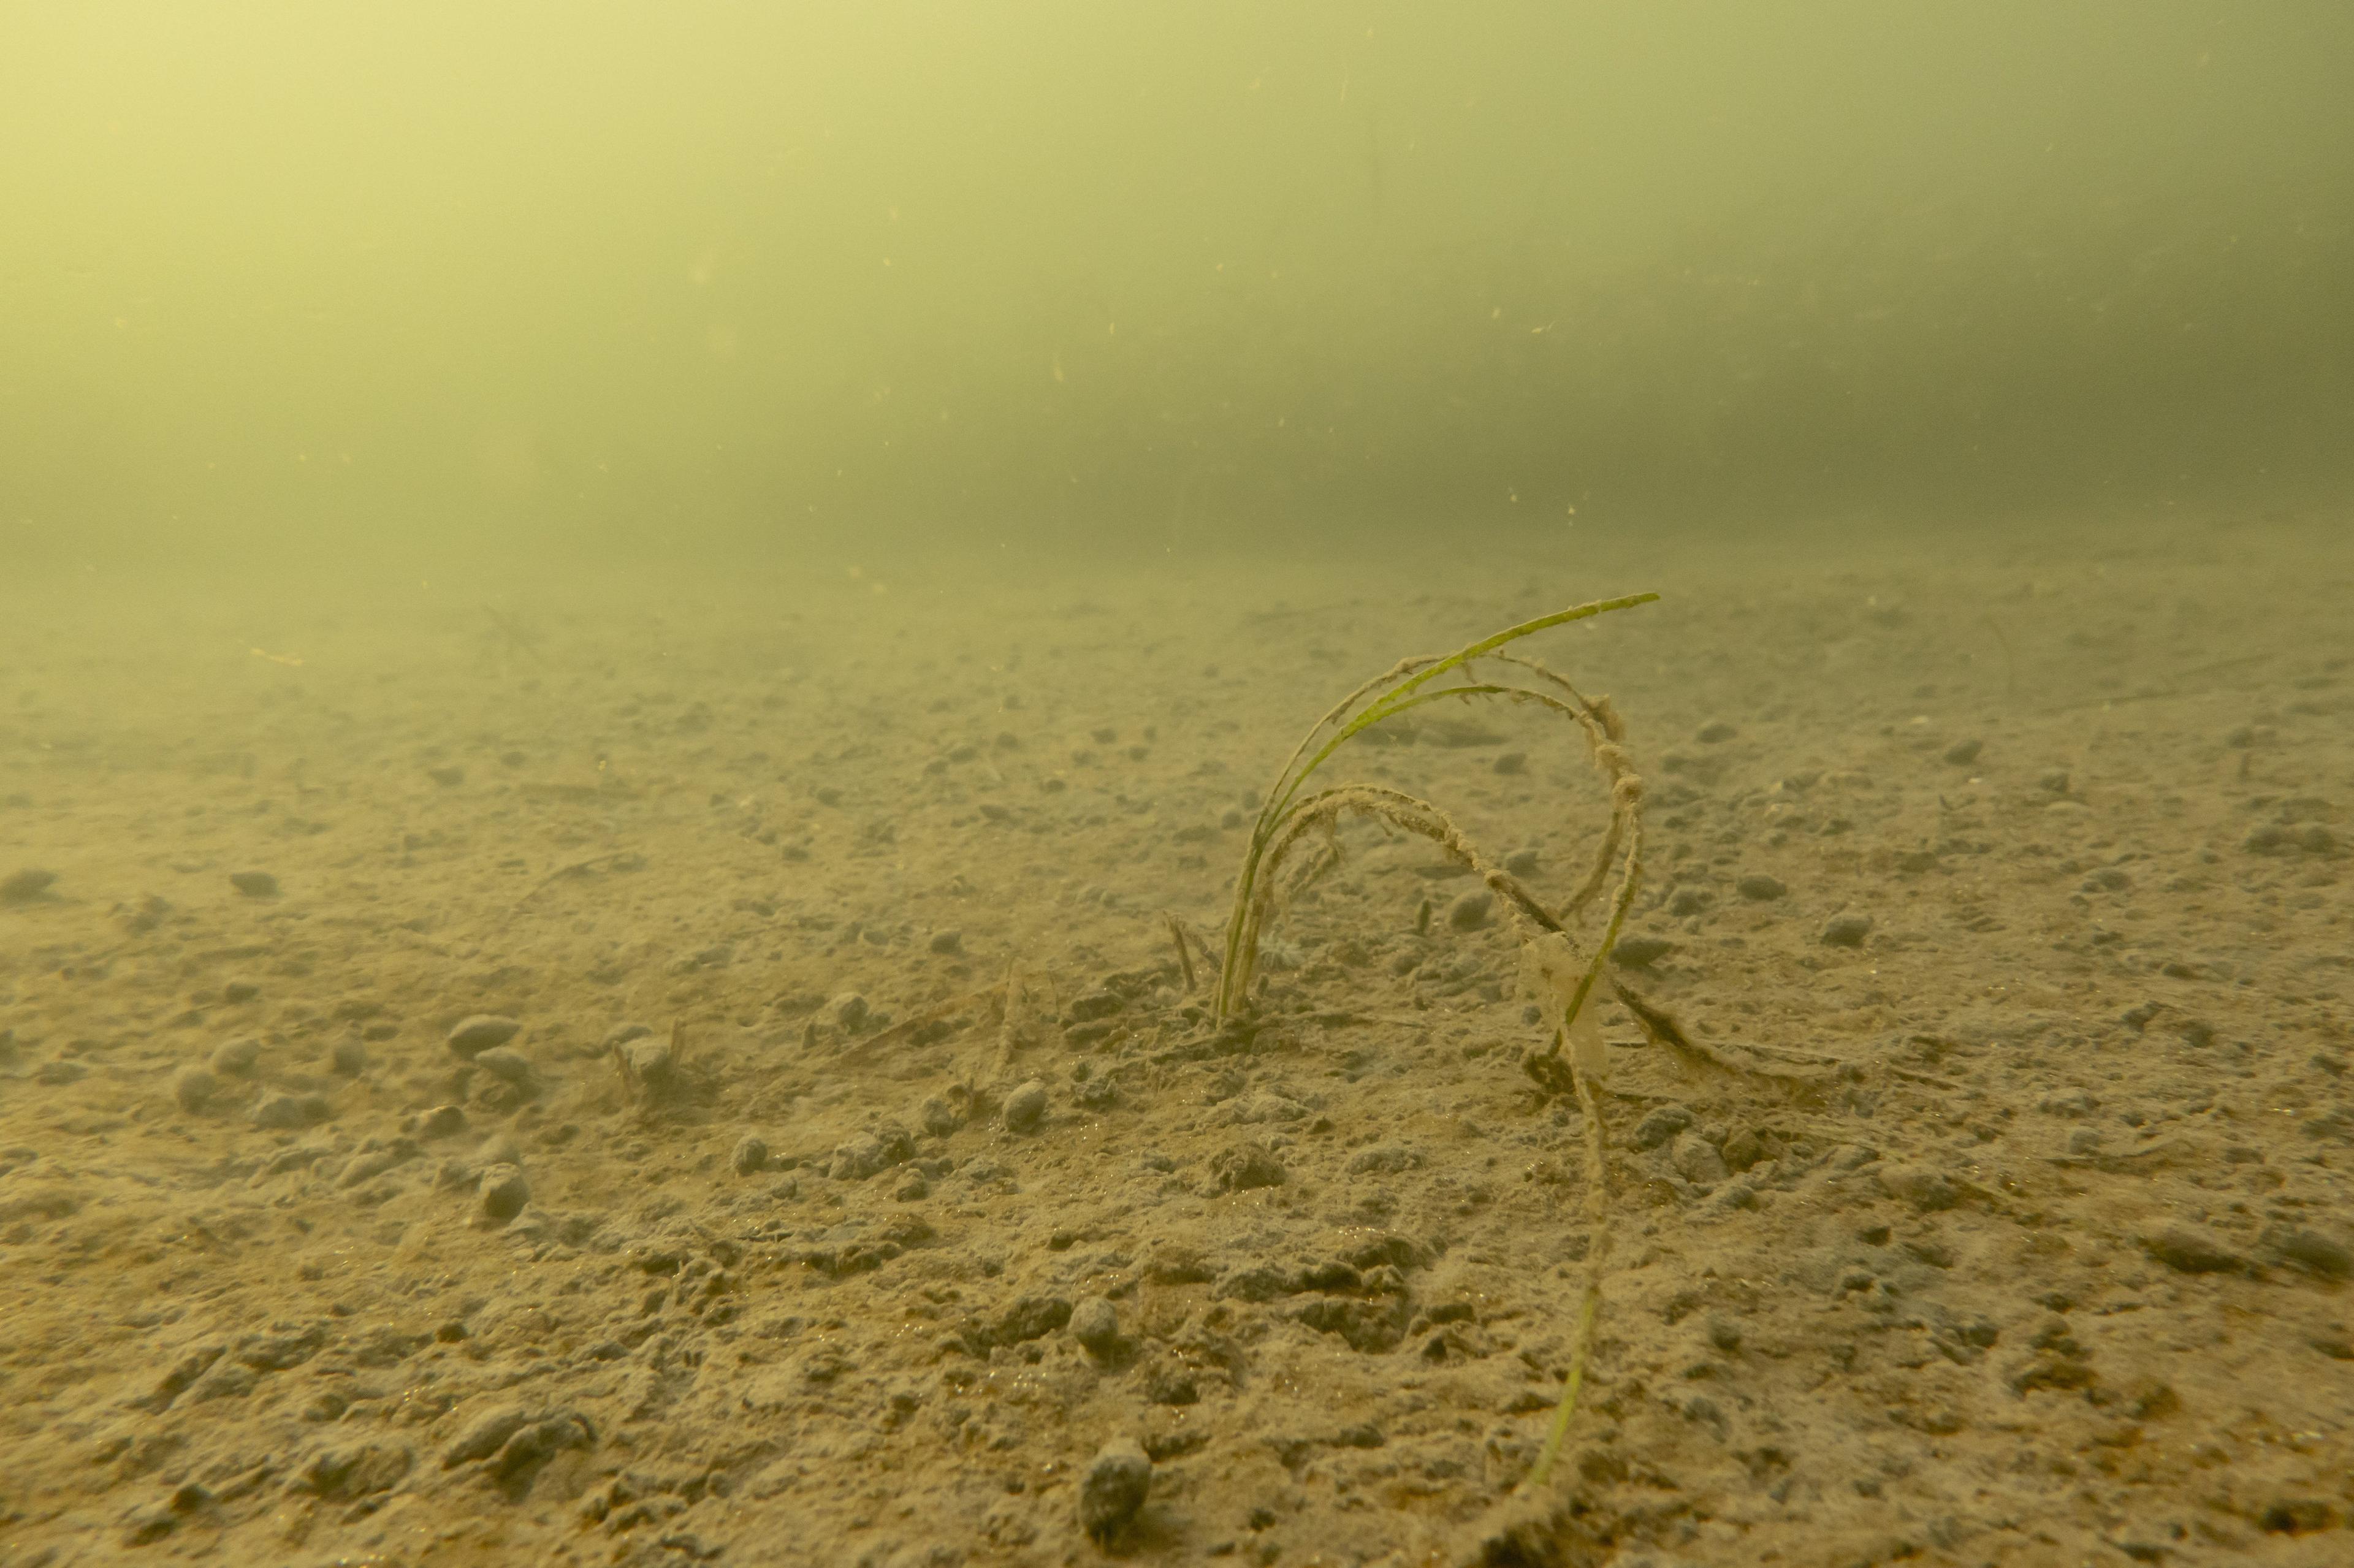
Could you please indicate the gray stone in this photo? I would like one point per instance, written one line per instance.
(1032, 1318)
(1846, 931)
(1640, 952)
(751, 1156)
(1661, 1125)
(1025, 1107)
(1696, 1159)
(26, 885)
(1962, 752)
(1091, 1005)
(287, 1113)
(502, 1063)
(877, 1149)
(486, 1435)
(947, 942)
(236, 1059)
(1918, 1185)
(848, 1012)
(254, 884)
(1095, 1323)
(349, 1057)
(1243, 1167)
(2192, 1249)
(441, 1121)
(1113, 1490)
(194, 1089)
(505, 1191)
(1759, 888)
(2310, 1249)
(473, 1036)
(1470, 912)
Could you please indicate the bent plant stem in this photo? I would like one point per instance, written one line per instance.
(1403, 691)
(1288, 817)
(1589, 1304)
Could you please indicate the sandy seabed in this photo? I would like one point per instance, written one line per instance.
(853, 1167)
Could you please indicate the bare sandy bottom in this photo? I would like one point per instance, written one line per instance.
(2049, 1266)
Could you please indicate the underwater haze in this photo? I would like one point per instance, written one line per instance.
(665, 279)
(652, 912)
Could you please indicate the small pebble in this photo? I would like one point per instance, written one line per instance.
(2192, 1249)
(448, 778)
(1245, 1165)
(1113, 1488)
(1090, 1005)
(1715, 731)
(469, 1037)
(505, 1191)
(254, 884)
(751, 1155)
(1687, 901)
(1922, 1188)
(1846, 931)
(1737, 1195)
(1661, 1125)
(947, 942)
(1522, 863)
(1640, 952)
(912, 1186)
(1470, 913)
(849, 1011)
(502, 1063)
(24, 886)
(194, 1089)
(1962, 752)
(287, 1113)
(1025, 1107)
(1511, 762)
(1761, 889)
(499, 1149)
(622, 1034)
(937, 1116)
(441, 1121)
(2324, 1255)
(236, 1059)
(1095, 1323)
(349, 1057)
(239, 991)
(1696, 1159)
